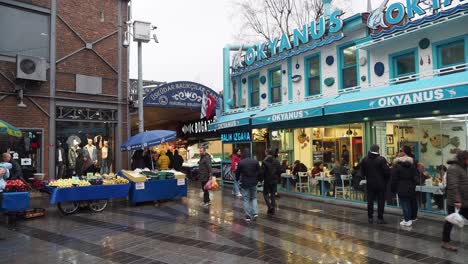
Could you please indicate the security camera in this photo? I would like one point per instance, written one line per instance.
(125, 43)
(155, 38)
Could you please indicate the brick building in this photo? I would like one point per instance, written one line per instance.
(83, 91)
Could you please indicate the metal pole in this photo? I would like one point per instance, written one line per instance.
(118, 140)
(141, 125)
(52, 72)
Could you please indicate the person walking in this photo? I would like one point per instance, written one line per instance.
(457, 193)
(404, 175)
(271, 169)
(235, 159)
(204, 172)
(248, 171)
(375, 170)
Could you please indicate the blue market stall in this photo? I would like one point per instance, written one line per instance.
(159, 187)
(95, 197)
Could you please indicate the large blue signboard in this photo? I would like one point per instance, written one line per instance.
(179, 95)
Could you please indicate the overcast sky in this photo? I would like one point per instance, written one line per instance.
(192, 34)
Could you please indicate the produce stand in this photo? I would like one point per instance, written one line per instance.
(157, 190)
(150, 186)
(14, 204)
(69, 199)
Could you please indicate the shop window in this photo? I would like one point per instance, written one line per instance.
(274, 77)
(27, 150)
(254, 91)
(403, 66)
(313, 86)
(349, 67)
(27, 31)
(451, 54)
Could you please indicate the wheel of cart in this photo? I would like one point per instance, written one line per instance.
(68, 207)
(97, 205)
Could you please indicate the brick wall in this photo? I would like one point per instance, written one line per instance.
(78, 22)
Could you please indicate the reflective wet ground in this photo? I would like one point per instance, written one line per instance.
(183, 232)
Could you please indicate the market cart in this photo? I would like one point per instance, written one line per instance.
(149, 186)
(14, 203)
(95, 197)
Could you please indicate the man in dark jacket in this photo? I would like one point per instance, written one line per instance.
(457, 193)
(271, 169)
(15, 172)
(204, 172)
(375, 170)
(404, 176)
(178, 161)
(248, 171)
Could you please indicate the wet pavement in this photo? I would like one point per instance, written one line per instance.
(184, 232)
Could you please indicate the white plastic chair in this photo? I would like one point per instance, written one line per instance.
(303, 181)
(343, 188)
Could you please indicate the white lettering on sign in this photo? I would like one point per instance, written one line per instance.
(228, 124)
(287, 116)
(412, 98)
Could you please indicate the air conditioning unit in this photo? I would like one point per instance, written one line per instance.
(31, 68)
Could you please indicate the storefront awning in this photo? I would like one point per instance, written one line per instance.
(291, 112)
(232, 120)
(448, 87)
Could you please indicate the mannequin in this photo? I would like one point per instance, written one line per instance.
(91, 150)
(105, 158)
(60, 161)
(72, 155)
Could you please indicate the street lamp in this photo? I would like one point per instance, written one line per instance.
(141, 33)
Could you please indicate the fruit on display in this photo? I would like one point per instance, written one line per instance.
(15, 186)
(117, 180)
(65, 183)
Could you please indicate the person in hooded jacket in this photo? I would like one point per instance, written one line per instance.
(457, 193)
(235, 159)
(271, 169)
(178, 161)
(205, 171)
(248, 171)
(404, 176)
(374, 169)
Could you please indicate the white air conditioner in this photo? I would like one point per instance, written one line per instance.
(31, 68)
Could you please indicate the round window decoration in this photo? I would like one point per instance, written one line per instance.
(298, 66)
(284, 71)
(330, 60)
(424, 43)
(244, 80)
(379, 69)
(263, 95)
(363, 78)
(263, 79)
(329, 81)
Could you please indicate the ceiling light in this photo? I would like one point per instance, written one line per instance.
(462, 115)
(401, 120)
(426, 118)
(447, 119)
(436, 112)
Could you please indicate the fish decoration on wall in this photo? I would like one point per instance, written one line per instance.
(454, 151)
(424, 141)
(303, 138)
(441, 141)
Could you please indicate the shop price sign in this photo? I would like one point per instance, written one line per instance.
(180, 182)
(139, 185)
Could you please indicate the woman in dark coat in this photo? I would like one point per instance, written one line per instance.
(138, 161)
(404, 176)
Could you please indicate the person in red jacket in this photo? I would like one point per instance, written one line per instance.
(235, 158)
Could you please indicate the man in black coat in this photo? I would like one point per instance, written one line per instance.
(248, 172)
(16, 172)
(375, 170)
(205, 171)
(271, 174)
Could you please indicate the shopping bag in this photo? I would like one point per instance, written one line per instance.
(456, 218)
(208, 185)
(214, 183)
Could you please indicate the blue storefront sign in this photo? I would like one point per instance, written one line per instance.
(395, 100)
(286, 116)
(180, 95)
(236, 137)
